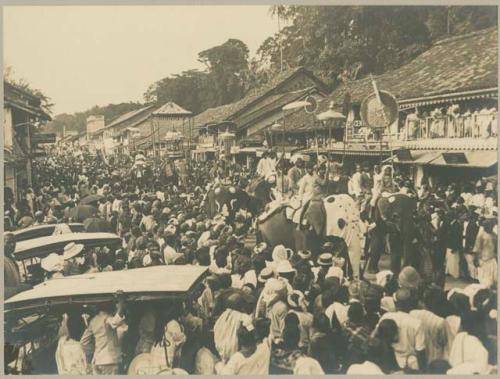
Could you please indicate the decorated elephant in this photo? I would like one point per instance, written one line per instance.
(336, 216)
(228, 199)
(168, 173)
(394, 232)
(141, 174)
(261, 189)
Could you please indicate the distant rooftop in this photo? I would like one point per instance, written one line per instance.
(171, 109)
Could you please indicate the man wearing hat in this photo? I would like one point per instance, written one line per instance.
(266, 274)
(285, 270)
(53, 264)
(71, 265)
(338, 248)
(324, 262)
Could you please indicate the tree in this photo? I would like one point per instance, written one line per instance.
(226, 65)
(227, 77)
(45, 102)
(371, 39)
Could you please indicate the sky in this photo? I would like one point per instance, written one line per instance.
(97, 55)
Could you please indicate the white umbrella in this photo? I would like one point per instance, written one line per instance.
(296, 104)
(330, 114)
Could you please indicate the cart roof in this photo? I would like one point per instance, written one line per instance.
(148, 283)
(43, 246)
(42, 230)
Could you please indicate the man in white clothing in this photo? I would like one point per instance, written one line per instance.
(101, 342)
(410, 347)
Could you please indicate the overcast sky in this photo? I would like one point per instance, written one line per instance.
(96, 55)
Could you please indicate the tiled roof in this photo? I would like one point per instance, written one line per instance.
(19, 98)
(171, 109)
(127, 116)
(234, 110)
(458, 64)
(214, 114)
(459, 144)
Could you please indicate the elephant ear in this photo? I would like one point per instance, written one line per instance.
(400, 204)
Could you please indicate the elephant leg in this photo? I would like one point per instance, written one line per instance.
(354, 250)
(438, 264)
(394, 246)
(376, 246)
(300, 239)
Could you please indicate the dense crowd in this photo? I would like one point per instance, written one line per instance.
(265, 309)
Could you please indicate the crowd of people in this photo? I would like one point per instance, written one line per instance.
(266, 309)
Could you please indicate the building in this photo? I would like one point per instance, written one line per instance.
(94, 123)
(447, 99)
(167, 130)
(119, 133)
(251, 118)
(23, 114)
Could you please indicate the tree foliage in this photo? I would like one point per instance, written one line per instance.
(224, 80)
(337, 43)
(8, 76)
(78, 121)
(363, 39)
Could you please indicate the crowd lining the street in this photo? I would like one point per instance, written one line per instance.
(266, 309)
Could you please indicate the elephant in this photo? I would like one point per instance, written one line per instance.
(335, 218)
(141, 174)
(261, 190)
(394, 232)
(228, 199)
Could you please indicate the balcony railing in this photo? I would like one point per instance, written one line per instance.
(474, 125)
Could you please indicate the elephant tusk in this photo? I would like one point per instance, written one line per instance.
(232, 203)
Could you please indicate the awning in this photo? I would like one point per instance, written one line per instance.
(419, 157)
(347, 152)
(448, 97)
(473, 159)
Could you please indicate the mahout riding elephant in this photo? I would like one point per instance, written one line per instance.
(261, 190)
(336, 216)
(394, 232)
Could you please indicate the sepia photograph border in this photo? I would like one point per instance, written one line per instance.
(43, 3)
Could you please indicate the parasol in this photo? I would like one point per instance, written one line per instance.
(330, 114)
(96, 225)
(89, 199)
(296, 104)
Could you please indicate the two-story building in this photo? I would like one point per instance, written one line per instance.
(447, 99)
(252, 118)
(23, 114)
(118, 135)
